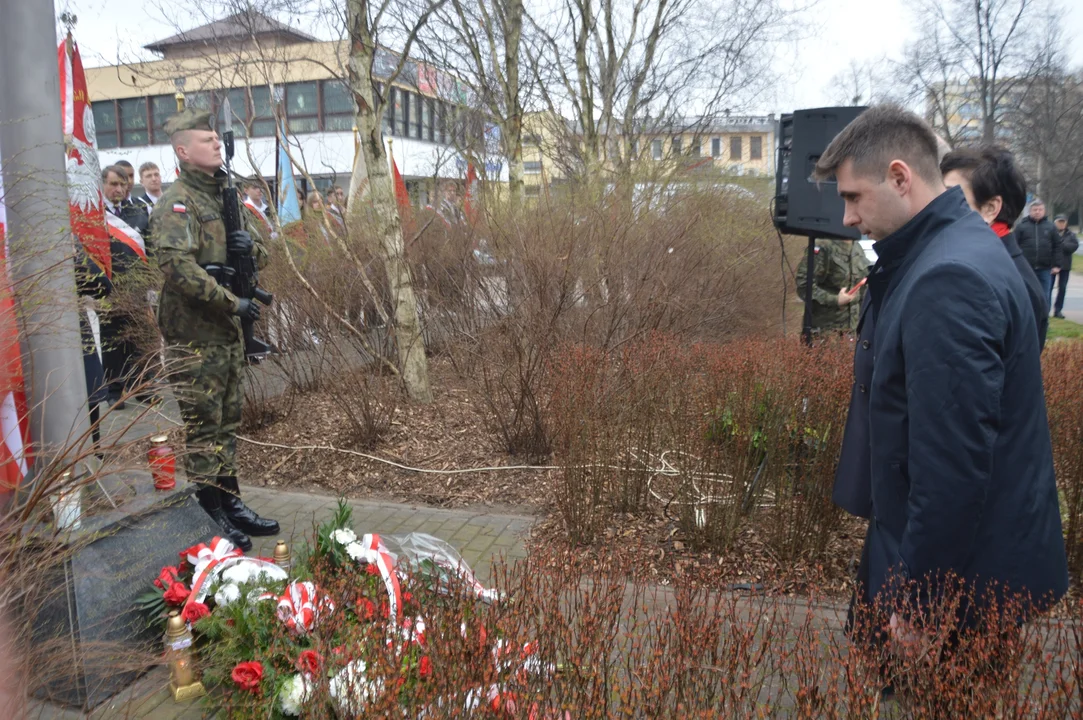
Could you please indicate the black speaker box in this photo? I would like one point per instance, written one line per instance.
(803, 206)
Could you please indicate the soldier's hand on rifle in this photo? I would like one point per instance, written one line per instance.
(239, 243)
(247, 309)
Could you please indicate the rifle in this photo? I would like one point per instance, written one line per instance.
(242, 274)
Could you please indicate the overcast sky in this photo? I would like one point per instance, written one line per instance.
(846, 30)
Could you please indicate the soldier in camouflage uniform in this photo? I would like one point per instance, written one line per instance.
(200, 319)
(840, 264)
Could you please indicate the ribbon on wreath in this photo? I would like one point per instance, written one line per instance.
(377, 554)
(301, 607)
(204, 559)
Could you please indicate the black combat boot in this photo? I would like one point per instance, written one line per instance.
(210, 498)
(240, 514)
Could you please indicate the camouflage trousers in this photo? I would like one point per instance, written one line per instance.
(207, 385)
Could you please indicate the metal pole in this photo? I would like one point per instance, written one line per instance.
(38, 226)
(806, 323)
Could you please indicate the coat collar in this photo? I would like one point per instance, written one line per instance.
(945, 209)
(210, 184)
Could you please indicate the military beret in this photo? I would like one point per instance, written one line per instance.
(189, 119)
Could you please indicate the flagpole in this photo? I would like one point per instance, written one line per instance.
(41, 244)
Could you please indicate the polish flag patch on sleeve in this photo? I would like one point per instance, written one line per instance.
(179, 208)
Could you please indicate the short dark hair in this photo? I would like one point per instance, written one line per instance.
(125, 164)
(116, 170)
(876, 137)
(147, 166)
(992, 172)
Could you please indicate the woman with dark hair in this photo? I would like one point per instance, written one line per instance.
(996, 190)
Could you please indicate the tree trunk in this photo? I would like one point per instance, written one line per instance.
(384, 212)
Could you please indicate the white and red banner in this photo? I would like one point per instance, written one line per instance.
(14, 414)
(125, 233)
(84, 173)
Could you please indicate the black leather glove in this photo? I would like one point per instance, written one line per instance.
(248, 309)
(239, 243)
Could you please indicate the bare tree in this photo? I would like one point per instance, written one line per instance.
(969, 61)
(360, 26)
(1047, 122)
(611, 72)
(864, 82)
(481, 43)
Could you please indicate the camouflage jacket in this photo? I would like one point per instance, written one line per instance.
(186, 233)
(839, 264)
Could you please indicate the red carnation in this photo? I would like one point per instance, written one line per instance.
(407, 597)
(195, 611)
(308, 662)
(425, 667)
(248, 675)
(176, 594)
(166, 577)
(366, 610)
(371, 569)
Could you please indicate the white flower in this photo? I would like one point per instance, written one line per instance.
(227, 594)
(295, 692)
(344, 536)
(238, 574)
(352, 691)
(355, 550)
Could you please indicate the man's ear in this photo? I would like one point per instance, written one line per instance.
(900, 176)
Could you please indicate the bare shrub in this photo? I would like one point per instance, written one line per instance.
(1062, 365)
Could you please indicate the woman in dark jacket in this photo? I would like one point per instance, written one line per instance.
(996, 190)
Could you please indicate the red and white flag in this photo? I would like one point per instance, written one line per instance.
(84, 174)
(14, 415)
(470, 197)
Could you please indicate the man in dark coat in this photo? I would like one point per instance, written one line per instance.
(1069, 243)
(1040, 243)
(960, 457)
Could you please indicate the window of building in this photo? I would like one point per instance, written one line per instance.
(633, 148)
(677, 146)
(263, 117)
(430, 123)
(162, 107)
(133, 122)
(105, 123)
(338, 108)
(755, 148)
(417, 107)
(695, 147)
(716, 147)
(441, 121)
(656, 149)
(389, 112)
(532, 167)
(238, 108)
(201, 100)
(735, 148)
(302, 108)
(402, 111)
(424, 106)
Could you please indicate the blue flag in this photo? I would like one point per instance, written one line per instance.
(289, 209)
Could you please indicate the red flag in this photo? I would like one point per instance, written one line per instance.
(470, 196)
(14, 416)
(125, 233)
(401, 195)
(84, 174)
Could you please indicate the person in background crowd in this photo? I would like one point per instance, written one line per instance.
(1069, 243)
(253, 195)
(336, 206)
(996, 189)
(150, 177)
(1040, 243)
(118, 197)
(840, 265)
(961, 468)
(129, 172)
(119, 352)
(301, 201)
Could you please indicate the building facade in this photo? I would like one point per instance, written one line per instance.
(242, 58)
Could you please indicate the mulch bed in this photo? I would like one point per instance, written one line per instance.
(453, 432)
